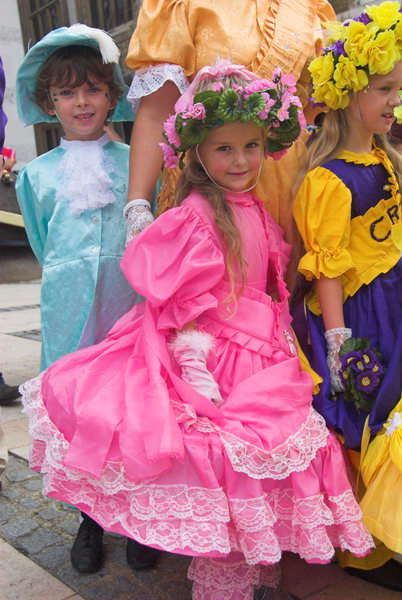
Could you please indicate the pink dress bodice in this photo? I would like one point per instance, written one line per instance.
(254, 240)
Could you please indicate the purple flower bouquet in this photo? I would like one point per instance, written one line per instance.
(361, 372)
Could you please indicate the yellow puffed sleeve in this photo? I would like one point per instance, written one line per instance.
(162, 35)
(322, 212)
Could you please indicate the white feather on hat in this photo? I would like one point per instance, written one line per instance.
(108, 49)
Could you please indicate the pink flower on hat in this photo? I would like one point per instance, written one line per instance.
(257, 86)
(196, 111)
(290, 82)
(171, 133)
(263, 114)
(217, 86)
(169, 157)
(302, 120)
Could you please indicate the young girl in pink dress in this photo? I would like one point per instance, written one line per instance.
(190, 427)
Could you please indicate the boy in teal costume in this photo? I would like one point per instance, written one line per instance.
(72, 201)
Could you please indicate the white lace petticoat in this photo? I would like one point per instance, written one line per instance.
(192, 519)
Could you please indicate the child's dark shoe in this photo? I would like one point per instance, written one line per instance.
(8, 393)
(140, 556)
(87, 552)
(388, 575)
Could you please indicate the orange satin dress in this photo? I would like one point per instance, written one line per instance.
(260, 34)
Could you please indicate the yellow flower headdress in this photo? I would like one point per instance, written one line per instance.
(367, 45)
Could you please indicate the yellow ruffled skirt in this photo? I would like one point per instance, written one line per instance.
(381, 471)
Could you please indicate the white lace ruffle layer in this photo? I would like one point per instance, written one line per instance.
(192, 519)
(294, 455)
(147, 81)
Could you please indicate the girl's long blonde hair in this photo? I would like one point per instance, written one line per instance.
(323, 147)
(194, 177)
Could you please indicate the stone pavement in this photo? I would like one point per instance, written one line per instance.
(36, 533)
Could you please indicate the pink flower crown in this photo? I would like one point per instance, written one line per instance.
(270, 104)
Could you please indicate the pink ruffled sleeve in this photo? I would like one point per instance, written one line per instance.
(174, 264)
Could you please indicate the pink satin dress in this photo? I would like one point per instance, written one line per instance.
(121, 436)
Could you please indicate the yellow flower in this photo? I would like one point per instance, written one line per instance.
(331, 95)
(347, 76)
(357, 37)
(385, 14)
(381, 54)
(398, 35)
(398, 114)
(337, 29)
(322, 69)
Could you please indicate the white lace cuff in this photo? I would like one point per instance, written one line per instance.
(138, 216)
(335, 338)
(147, 81)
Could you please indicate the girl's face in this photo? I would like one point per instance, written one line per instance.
(81, 110)
(232, 155)
(373, 107)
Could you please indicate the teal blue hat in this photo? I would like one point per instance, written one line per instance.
(31, 113)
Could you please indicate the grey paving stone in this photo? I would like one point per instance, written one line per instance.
(18, 527)
(52, 558)
(70, 526)
(20, 472)
(49, 514)
(107, 591)
(7, 511)
(34, 485)
(9, 493)
(39, 540)
(30, 503)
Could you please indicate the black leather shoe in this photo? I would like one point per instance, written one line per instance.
(87, 552)
(8, 393)
(140, 556)
(388, 576)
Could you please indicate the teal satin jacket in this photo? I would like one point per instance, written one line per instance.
(83, 290)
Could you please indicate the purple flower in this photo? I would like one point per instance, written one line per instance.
(314, 103)
(338, 49)
(364, 18)
(367, 381)
(353, 359)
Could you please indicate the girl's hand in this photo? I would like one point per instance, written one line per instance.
(335, 338)
(190, 349)
(138, 216)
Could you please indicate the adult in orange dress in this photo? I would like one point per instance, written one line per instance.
(174, 39)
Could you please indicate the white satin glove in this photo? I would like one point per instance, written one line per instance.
(190, 349)
(138, 216)
(335, 338)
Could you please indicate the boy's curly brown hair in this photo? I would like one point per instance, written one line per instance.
(71, 66)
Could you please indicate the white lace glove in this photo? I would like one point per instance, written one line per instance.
(138, 216)
(335, 338)
(190, 349)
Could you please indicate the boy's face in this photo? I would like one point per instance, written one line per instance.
(81, 110)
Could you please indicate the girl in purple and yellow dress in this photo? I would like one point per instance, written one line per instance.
(190, 428)
(348, 210)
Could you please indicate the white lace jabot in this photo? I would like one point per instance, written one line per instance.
(84, 173)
